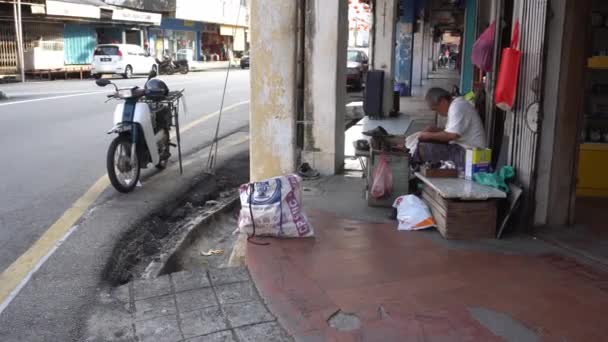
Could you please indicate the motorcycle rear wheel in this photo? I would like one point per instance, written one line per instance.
(184, 70)
(123, 169)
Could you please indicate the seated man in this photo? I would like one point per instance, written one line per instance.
(464, 129)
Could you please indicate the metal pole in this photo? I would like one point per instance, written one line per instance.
(19, 36)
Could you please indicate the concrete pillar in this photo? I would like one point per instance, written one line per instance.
(273, 88)
(325, 84)
(404, 49)
(469, 36)
(427, 44)
(418, 55)
(384, 47)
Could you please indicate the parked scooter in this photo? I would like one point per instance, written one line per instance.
(165, 66)
(168, 66)
(181, 66)
(143, 123)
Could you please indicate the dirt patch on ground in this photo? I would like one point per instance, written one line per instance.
(144, 242)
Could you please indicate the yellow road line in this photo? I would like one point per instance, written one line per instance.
(13, 276)
(17, 274)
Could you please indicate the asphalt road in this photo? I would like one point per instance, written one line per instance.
(55, 142)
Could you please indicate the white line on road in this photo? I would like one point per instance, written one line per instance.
(50, 98)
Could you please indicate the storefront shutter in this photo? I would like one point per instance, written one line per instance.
(525, 128)
(79, 44)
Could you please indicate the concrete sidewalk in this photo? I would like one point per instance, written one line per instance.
(218, 305)
(362, 280)
(205, 66)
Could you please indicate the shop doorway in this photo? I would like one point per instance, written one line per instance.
(591, 208)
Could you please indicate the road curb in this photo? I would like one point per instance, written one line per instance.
(190, 230)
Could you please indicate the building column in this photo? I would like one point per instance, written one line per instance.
(385, 18)
(470, 35)
(404, 54)
(326, 42)
(273, 88)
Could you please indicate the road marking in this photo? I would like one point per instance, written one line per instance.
(19, 272)
(51, 98)
(16, 276)
(210, 116)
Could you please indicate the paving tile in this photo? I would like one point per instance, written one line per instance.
(202, 322)
(247, 313)
(146, 288)
(160, 329)
(196, 299)
(184, 281)
(236, 293)
(228, 275)
(154, 307)
(267, 332)
(224, 336)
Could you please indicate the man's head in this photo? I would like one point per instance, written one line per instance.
(439, 100)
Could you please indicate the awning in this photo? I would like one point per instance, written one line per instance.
(122, 14)
(73, 9)
(92, 9)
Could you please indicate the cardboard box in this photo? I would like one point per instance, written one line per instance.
(477, 160)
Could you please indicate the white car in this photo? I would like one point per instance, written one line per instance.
(121, 59)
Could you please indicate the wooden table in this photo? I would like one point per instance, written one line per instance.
(462, 209)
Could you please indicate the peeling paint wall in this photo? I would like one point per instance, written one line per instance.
(273, 87)
(325, 84)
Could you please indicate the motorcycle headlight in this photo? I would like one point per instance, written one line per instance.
(125, 93)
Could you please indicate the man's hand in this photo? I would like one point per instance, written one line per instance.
(439, 137)
(432, 129)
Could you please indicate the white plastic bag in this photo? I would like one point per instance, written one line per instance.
(413, 213)
(275, 207)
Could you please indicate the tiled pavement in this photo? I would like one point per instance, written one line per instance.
(219, 305)
(416, 286)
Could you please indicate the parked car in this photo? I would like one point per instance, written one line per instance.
(121, 59)
(245, 61)
(357, 66)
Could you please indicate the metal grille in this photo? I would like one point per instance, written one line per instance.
(524, 137)
(8, 48)
(47, 35)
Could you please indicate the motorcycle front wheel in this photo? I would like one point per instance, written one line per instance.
(184, 70)
(123, 168)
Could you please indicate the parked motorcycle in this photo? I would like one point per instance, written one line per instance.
(181, 66)
(168, 66)
(143, 123)
(165, 66)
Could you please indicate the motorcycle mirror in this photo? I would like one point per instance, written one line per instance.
(152, 74)
(102, 82)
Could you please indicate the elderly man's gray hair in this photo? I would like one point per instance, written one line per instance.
(434, 96)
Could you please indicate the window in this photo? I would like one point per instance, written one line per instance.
(106, 50)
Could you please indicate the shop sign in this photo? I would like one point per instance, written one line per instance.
(212, 11)
(136, 16)
(71, 9)
(188, 23)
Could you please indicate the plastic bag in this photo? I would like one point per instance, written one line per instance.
(497, 179)
(382, 184)
(483, 49)
(273, 208)
(506, 84)
(413, 213)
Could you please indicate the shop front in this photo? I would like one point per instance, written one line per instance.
(177, 38)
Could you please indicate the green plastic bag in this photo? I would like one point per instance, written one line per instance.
(497, 179)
